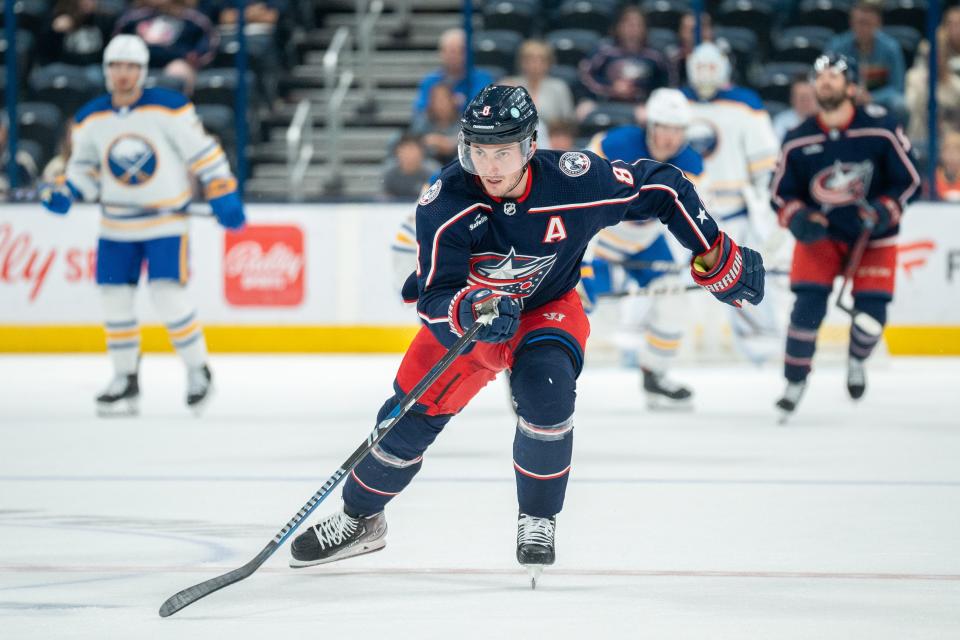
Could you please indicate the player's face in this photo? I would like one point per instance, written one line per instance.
(498, 165)
(124, 76)
(832, 89)
(666, 142)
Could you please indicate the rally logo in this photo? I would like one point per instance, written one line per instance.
(132, 160)
(574, 163)
(842, 183)
(513, 275)
(431, 194)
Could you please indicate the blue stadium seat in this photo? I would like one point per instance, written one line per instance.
(833, 14)
(594, 15)
(910, 13)
(664, 14)
(218, 86)
(740, 44)
(63, 85)
(570, 46)
(661, 39)
(907, 37)
(570, 75)
(32, 15)
(496, 48)
(800, 44)
(756, 15)
(41, 122)
(511, 15)
(772, 80)
(606, 116)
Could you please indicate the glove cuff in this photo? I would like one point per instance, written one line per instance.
(726, 273)
(453, 311)
(219, 187)
(787, 211)
(892, 208)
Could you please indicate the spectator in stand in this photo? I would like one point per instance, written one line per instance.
(803, 104)
(181, 40)
(439, 126)
(263, 49)
(26, 164)
(563, 135)
(409, 170)
(77, 34)
(948, 72)
(948, 173)
(686, 41)
(452, 72)
(625, 70)
(552, 96)
(879, 58)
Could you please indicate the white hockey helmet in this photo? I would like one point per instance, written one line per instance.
(668, 107)
(126, 48)
(708, 69)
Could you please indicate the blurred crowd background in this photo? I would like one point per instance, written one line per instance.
(402, 66)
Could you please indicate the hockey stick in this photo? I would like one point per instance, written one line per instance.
(194, 210)
(190, 595)
(669, 291)
(862, 321)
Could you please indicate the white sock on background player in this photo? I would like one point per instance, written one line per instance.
(180, 317)
(122, 330)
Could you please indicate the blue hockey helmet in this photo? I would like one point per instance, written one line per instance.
(837, 62)
(499, 114)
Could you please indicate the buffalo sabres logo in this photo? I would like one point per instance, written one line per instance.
(514, 275)
(132, 160)
(431, 194)
(842, 183)
(574, 163)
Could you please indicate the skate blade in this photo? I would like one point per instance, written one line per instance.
(359, 550)
(118, 409)
(534, 571)
(198, 408)
(783, 417)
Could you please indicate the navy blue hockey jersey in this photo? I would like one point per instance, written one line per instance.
(834, 169)
(530, 248)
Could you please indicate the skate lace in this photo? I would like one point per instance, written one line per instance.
(533, 530)
(335, 530)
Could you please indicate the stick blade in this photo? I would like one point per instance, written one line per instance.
(188, 596)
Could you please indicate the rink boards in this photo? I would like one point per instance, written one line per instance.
(320, 278)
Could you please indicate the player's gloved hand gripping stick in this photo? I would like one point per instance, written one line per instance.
(866, 323)
(176, 602)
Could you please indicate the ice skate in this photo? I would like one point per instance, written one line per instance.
(199, 388)
(856, 378)
(121, 397)
(535, 548)
(791, 398)
(664, 394)
(339, 536)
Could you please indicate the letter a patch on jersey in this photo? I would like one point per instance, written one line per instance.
(555, 230)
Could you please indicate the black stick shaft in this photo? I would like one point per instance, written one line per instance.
(190, 595)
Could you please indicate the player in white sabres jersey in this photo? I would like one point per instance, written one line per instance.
(653, 326)
(134, 150)
(735, 136)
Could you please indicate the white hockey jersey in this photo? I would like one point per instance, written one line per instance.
(735, 136)
(137, 161)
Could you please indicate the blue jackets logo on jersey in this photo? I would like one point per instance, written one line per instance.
(574, 163)
(842, 183)
(132, 160)
(431, 194)
(514, 275)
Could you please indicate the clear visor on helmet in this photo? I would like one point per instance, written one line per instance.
(494, 160)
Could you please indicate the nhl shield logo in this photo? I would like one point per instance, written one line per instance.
(574, 163)
(431, 194)
(510, 208)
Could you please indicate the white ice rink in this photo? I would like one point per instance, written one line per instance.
(712, 524)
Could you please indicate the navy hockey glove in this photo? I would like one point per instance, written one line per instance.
(465, 309)
(58, 198)
(736, 276)
(808, 225)
(228, 209)
(883, 213)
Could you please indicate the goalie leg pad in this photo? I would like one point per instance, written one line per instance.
(808, 311)
(393, 462)
(120, 324)
(543, 382)
(875, 306)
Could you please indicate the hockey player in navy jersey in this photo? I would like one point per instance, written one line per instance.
(511, 223)
(840, 171)
(652, 326)
(133, 150)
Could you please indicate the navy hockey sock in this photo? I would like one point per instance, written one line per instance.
(392, 463)
(543, 380)
(808, 311)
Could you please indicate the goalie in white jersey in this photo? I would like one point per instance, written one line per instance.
(735, 136)
(134, 150)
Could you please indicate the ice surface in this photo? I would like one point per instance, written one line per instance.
(712, 524)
